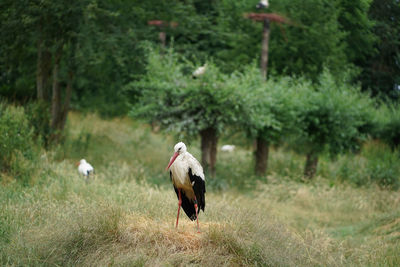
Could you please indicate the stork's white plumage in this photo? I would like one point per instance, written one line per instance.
(228, 148)
(199, 71)
(188, 179)
(85, 168)
(262, 4)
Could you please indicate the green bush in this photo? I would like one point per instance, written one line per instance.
(74, 147)
(334, 117)
(388, 121)
(171, 97)
(180, 103)
(376, 164)
(17, 148)
(38, 115)
(383, 166)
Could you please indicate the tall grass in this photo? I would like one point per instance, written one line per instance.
(125, 215)
(18, 151)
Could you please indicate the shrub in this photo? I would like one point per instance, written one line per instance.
(375, 164)
(190, 107)
(388, 121)
(38, 114)
(17, 148)
(383, 166)
(333, 117)
(268, 112)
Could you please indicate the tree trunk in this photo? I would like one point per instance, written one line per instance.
(46, 73)
(163, 39)
(43, 71)
(205, 149)
(67, 101)
(213, 153)
(262, 148)
(264, 50)
(209, 141)
(56, 95)
(261, 156)
(39, 72)
(311, 165)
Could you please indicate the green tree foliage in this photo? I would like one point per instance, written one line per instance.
(17, 80)
(48, 37)
(172, 98)
(103, 42)
(88, 51)
(387, 125)
(238, 38)
(313, 40)
(39, 117)
(268, 113)
(17, 147)
(357, 26)
(314, 36)
(110, 54)
(333, 117)
(381, 72)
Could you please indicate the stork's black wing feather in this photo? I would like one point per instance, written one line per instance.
(199, 188)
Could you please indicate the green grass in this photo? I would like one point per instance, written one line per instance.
(125, 216)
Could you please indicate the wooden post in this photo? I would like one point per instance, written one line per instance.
(163, 38)
(262, 146)
(162, 25)
(266, 18)
(264, 49)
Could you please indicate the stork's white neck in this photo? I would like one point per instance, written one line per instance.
(182, 163)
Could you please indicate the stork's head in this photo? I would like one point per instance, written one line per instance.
(82, 161)
(179, 148)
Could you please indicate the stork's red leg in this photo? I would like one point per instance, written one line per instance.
(179, 207)
(197, 217)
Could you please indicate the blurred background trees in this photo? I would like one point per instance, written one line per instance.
(102, 40)
(380, 72)
(102, 56)
(332, 117)
(172, 98)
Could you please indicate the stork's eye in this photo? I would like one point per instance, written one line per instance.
(179, 149)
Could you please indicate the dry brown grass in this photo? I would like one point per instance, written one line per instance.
(235, 231)
(126, 215)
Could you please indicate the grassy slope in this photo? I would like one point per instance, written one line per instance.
(126, 215)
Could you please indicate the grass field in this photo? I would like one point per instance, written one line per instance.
(125, 215)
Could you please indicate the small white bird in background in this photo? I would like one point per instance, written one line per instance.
(228, 148)
(262, 4)
(85, 168)
(199, 71)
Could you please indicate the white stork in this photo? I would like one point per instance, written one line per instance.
(262, 4)
(199, 71)
(188, 179)
(85, 168)
(228, 148)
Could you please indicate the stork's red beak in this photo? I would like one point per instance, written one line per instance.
(172, 160)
